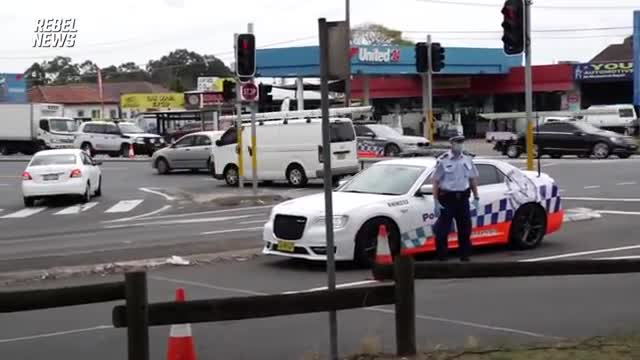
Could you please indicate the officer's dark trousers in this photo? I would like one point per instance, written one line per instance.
(456, 206)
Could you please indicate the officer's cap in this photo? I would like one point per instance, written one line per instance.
(457, 138)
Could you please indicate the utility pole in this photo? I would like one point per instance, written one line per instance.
(528, 86)
(347, 81)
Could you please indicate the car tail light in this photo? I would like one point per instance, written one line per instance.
(26, 176)
(76, 173)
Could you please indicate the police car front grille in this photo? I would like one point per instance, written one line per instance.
(287, 227)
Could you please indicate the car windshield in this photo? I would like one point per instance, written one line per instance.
(384, 179)
(383, 131)
(130, 129)
(58, 159)
(64, 125)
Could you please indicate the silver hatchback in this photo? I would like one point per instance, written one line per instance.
(190, 152)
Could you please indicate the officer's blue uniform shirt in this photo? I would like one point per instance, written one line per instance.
(453, 172)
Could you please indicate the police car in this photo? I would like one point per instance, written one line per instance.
(516, 207)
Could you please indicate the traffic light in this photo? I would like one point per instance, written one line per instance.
(437, 57)
(246, 55)
(228, 90)
(422, 57)
(513, 27)
(264, 95)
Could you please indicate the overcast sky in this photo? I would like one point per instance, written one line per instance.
(118, 31)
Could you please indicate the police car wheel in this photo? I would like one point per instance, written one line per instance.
(364, 253)
(391, 150)
(513, 151)
(528, 227)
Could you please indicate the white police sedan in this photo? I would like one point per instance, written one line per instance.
(517, 207)
(61, 172)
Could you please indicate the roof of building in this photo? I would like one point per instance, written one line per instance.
(616, 52)
(87, 93)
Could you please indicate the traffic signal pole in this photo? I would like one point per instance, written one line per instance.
(254, 148)
(239, 119)
(429, 114)
(528, 87)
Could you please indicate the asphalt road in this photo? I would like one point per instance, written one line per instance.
(494, 311)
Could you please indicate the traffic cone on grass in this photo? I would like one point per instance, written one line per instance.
(180, 345)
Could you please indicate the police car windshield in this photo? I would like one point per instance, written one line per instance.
(384, 180)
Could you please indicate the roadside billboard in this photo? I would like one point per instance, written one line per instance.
(13, 88)
(152, 101)
(212, 84)
(605, 71)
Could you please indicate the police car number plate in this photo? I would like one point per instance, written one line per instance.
(286, 246)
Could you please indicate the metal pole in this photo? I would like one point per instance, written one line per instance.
(239, 121)
(254, 149)
(347, 81)
(328, 189)
(429, 114)
(528, 86)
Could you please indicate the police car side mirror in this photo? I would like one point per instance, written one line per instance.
(219, 142)
(426, 190)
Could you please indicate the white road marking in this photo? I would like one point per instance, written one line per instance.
(4, 184)
(23, 213)
(253, 222)
(470, 324)
(626, 183)
(52, 334)
(599, 199)
(338, 286)
(170, 198)
(140, 216)
(619, 257)
(582, 253)
(124, 206)
(592, 187)
(617, 212)
(76, 209)
(211, 212)
(231, 230)
(183, 221)
(376, 309)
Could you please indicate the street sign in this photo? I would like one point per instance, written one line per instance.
(249, 92)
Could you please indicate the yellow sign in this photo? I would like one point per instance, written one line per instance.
(152, 101)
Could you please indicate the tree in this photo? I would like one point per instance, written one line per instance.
(35, 75)
(61, 70)
(377, 34)
(185, 66)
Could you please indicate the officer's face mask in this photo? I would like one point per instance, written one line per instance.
(457, 148)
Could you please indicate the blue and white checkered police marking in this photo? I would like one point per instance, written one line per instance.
(372, 148)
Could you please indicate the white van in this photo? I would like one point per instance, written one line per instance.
(620, 118)
(287, 149)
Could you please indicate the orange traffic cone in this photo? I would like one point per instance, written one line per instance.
(180, 345)
(131, 153)
(383, 254)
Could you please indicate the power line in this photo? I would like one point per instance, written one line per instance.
(535, 37)
(557, 7)
(497, 31)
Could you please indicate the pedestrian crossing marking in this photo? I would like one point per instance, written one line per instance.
(124, 206)
(23, 213)
(76, 208)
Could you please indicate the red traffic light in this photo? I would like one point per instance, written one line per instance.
(246, 55)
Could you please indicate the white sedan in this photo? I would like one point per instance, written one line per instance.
(516, 207)
(61, 172)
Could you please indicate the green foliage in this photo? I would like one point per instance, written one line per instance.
(377, 34)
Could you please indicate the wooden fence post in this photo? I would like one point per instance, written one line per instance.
(405, 306)
(137, 315)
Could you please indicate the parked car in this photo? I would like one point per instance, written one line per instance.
(61, 172)
(192, 151)
(388, 141)
(115, 138)
(558, 138)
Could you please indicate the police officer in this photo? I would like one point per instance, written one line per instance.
(454, 179)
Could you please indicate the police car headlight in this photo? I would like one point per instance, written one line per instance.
(339, 221)
(140, 140)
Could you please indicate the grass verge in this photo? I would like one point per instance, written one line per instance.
(626, 347)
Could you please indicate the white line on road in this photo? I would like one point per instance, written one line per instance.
(176, 222)
(253, 222)
(619, 257)
(124, 206)
(170, 198)
(140, 216)
(592, 187)
(76, 209)
(207, 286)
(24, 213)
(617, 212)
(339, 286)
(4, 184)
(231, 230)
(211, 212)
(599, 199)
(626, 183)
(581, 253)
(59, 333)
(470, 324)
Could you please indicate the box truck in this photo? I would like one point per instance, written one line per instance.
(28, 128)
